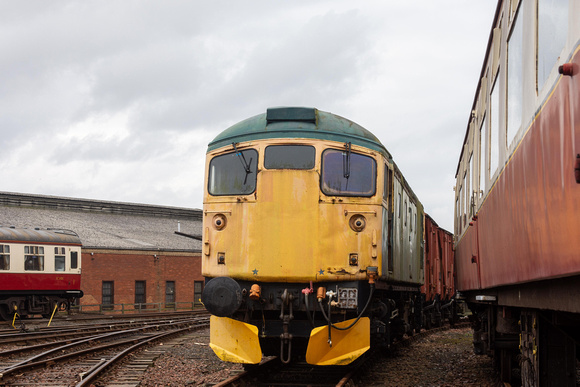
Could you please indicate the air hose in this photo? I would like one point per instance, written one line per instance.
(330, 324)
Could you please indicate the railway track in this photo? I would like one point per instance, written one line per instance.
(272, 372)
(123, 358)
(88, 320)
(82, 360)
(67, 332)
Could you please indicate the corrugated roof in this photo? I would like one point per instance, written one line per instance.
(108, 225)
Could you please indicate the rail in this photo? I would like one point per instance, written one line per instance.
(98, 345)
(137, 308)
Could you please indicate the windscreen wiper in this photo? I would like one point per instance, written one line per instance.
(346, 161)
(245, 164)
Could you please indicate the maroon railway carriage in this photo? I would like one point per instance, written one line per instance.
(439, 286)
(39, 269)
(517, 203)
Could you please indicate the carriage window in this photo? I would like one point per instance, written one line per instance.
(471, 184)
(59, 259)
(233, 173)
(4, 257)
(457, 215)
(34, 258)
(515, 80)
(494, 129)
(347, 173)
(74, 260)
(466, 198)
(552, 29)
(59, 263)
(460, 208)
(289, 157)
(482, 157)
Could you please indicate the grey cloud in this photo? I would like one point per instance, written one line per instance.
(174, 69)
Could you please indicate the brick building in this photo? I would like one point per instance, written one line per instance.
(132, 253)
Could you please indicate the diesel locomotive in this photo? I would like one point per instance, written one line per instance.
(40, 270)
(517, 195)
(313, 242)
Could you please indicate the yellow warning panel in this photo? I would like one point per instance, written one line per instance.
(234, 341)
(346, 347)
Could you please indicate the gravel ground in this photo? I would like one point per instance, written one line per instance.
(190, 364)
(443, 359)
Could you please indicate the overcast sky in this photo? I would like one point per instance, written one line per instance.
(117, 100)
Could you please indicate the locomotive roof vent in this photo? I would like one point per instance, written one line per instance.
(300, 114)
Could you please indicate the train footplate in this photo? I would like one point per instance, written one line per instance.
(346, 346)
(234, 341)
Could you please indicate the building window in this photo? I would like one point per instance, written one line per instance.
(197, 290)
(4, 257)
(74, 260)
(108, 295)
(514, 80)
(59, 259)
(140, 292)
(169, 294)
(34, 258)
(552, 29)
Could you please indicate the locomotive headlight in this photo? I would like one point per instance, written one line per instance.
(357, 223)
(219, 222)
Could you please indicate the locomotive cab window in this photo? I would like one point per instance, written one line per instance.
(233, 173)
(4, 257)
(345, 173)
(289, 157)
(34, 258)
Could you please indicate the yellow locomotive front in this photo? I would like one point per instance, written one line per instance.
(294, 223)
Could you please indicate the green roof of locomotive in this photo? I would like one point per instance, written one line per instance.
(298, 122)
